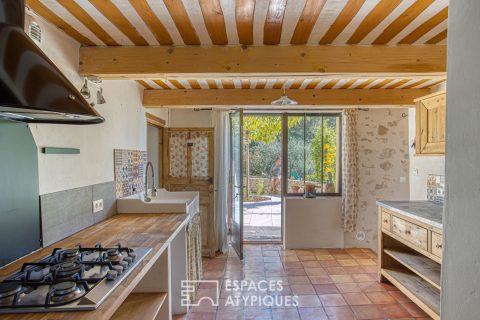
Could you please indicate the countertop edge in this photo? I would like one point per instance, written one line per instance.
(430, 222)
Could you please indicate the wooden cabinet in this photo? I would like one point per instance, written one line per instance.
(409, 257)
(430, 124)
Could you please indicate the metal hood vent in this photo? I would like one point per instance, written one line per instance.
(32, 88)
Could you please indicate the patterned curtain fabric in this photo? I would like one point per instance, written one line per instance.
(194, 251)
(349, 170)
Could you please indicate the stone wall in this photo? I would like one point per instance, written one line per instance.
(383, 167)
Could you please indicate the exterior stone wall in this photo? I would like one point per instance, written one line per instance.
(383, 158)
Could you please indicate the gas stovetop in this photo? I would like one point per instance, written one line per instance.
(74, 279)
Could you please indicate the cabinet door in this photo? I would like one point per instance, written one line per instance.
(430, 120)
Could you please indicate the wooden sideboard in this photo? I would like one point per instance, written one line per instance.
(410, 257)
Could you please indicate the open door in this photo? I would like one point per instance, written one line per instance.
(236, 145)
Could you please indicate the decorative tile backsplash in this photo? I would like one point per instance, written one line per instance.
(436, 188)
(129, 171)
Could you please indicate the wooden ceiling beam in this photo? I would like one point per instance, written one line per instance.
(263, 97)
(143, 62)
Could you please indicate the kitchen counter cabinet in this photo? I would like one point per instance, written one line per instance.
(164, 233)
(410, 250)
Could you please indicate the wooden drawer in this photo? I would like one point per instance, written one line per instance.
(386, 220)
(437, 244)
(414, 234)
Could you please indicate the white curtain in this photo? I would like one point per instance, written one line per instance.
(349, 170)
(221, 124)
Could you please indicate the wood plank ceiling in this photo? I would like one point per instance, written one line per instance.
(372, 83)
(254, 22)
(248, 22)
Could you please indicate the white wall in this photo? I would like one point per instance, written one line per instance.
(124, 128)
(313, 223)
(461, 256)
(421, 166)
(188, 118)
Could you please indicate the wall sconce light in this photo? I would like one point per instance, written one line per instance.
(100, 98)
(84, 91)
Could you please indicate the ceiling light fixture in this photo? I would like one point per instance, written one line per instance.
(284, 101)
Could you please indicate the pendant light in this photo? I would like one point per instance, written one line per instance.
(284, 100)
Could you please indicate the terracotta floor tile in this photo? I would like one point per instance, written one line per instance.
(312, 313)
(371, 286)
(315, 271)
(335, 270)
(285, 314)
(394, 311)
(325, 288)
(341, 278)
(329, 263)
(295, 272)
(311, 264)
(348, 287)
(299, 289)
(399, 296)
(380, 297)
(356, 299)
(339, 313)
(414, 310)
(320, 279)
(295, 264)
(367, 312)
(307, 258)
(307, 301)
(363, 277)
(348, 263)
(298, 279)
(323, 257)
(333, 284)
(332, 300)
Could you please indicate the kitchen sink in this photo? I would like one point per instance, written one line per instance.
(164, 202)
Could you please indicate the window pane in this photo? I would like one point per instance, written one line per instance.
(313, 161)
(331, 169)
(295, 159)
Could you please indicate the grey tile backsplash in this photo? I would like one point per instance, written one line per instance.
(436, 188)
(66, 212)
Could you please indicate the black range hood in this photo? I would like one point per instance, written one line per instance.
(32, 88)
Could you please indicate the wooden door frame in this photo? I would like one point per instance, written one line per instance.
(159, 123)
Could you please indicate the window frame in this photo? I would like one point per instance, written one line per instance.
(285, 116)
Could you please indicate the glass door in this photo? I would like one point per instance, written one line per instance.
(236, 145)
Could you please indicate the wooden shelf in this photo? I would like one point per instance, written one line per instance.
(413, 286)
(141, 306)
(424, 267)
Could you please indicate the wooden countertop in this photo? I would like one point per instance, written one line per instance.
(132, 230)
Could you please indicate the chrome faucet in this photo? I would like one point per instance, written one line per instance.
(154, 190)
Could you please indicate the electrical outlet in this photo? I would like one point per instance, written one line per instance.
(97, 205)
(415, 172)
(403, 179)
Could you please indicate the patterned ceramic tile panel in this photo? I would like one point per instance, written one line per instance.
(178, 154)
(200, 154)
(436, 188)
(129, 171)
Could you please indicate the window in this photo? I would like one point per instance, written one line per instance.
(312, 152)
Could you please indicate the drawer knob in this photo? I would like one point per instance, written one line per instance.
(438, 246)
(408, 232)
(385, 220)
